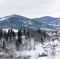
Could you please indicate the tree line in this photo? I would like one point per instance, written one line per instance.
(10, 35)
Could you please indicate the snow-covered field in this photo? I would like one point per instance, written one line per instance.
(53, 51)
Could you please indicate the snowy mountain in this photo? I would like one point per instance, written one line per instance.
(18, 22)
(21, 22)
(50, 21)
(46, 19)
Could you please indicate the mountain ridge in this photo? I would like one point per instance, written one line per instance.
(20, 22)
(51, 21)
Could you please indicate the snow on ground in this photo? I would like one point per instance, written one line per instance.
(33, 53)
(39, 50)
(15, 30)
(53, 47)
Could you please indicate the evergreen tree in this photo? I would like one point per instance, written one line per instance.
(41, 40)
(17, 45)
(5, 35)
(20, 40)
(24, 32)
(19, 33)
(1, 33)
(28, 33)
(11, 34)
(44, 34)
(19, 36)
(4, 45)
(40, 32)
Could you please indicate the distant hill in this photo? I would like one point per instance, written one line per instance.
(18, 22)
(46, 19)
(50, 21)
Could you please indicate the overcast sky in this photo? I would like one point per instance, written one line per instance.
(30, 8)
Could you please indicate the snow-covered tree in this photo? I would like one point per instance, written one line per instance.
(50, 48)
